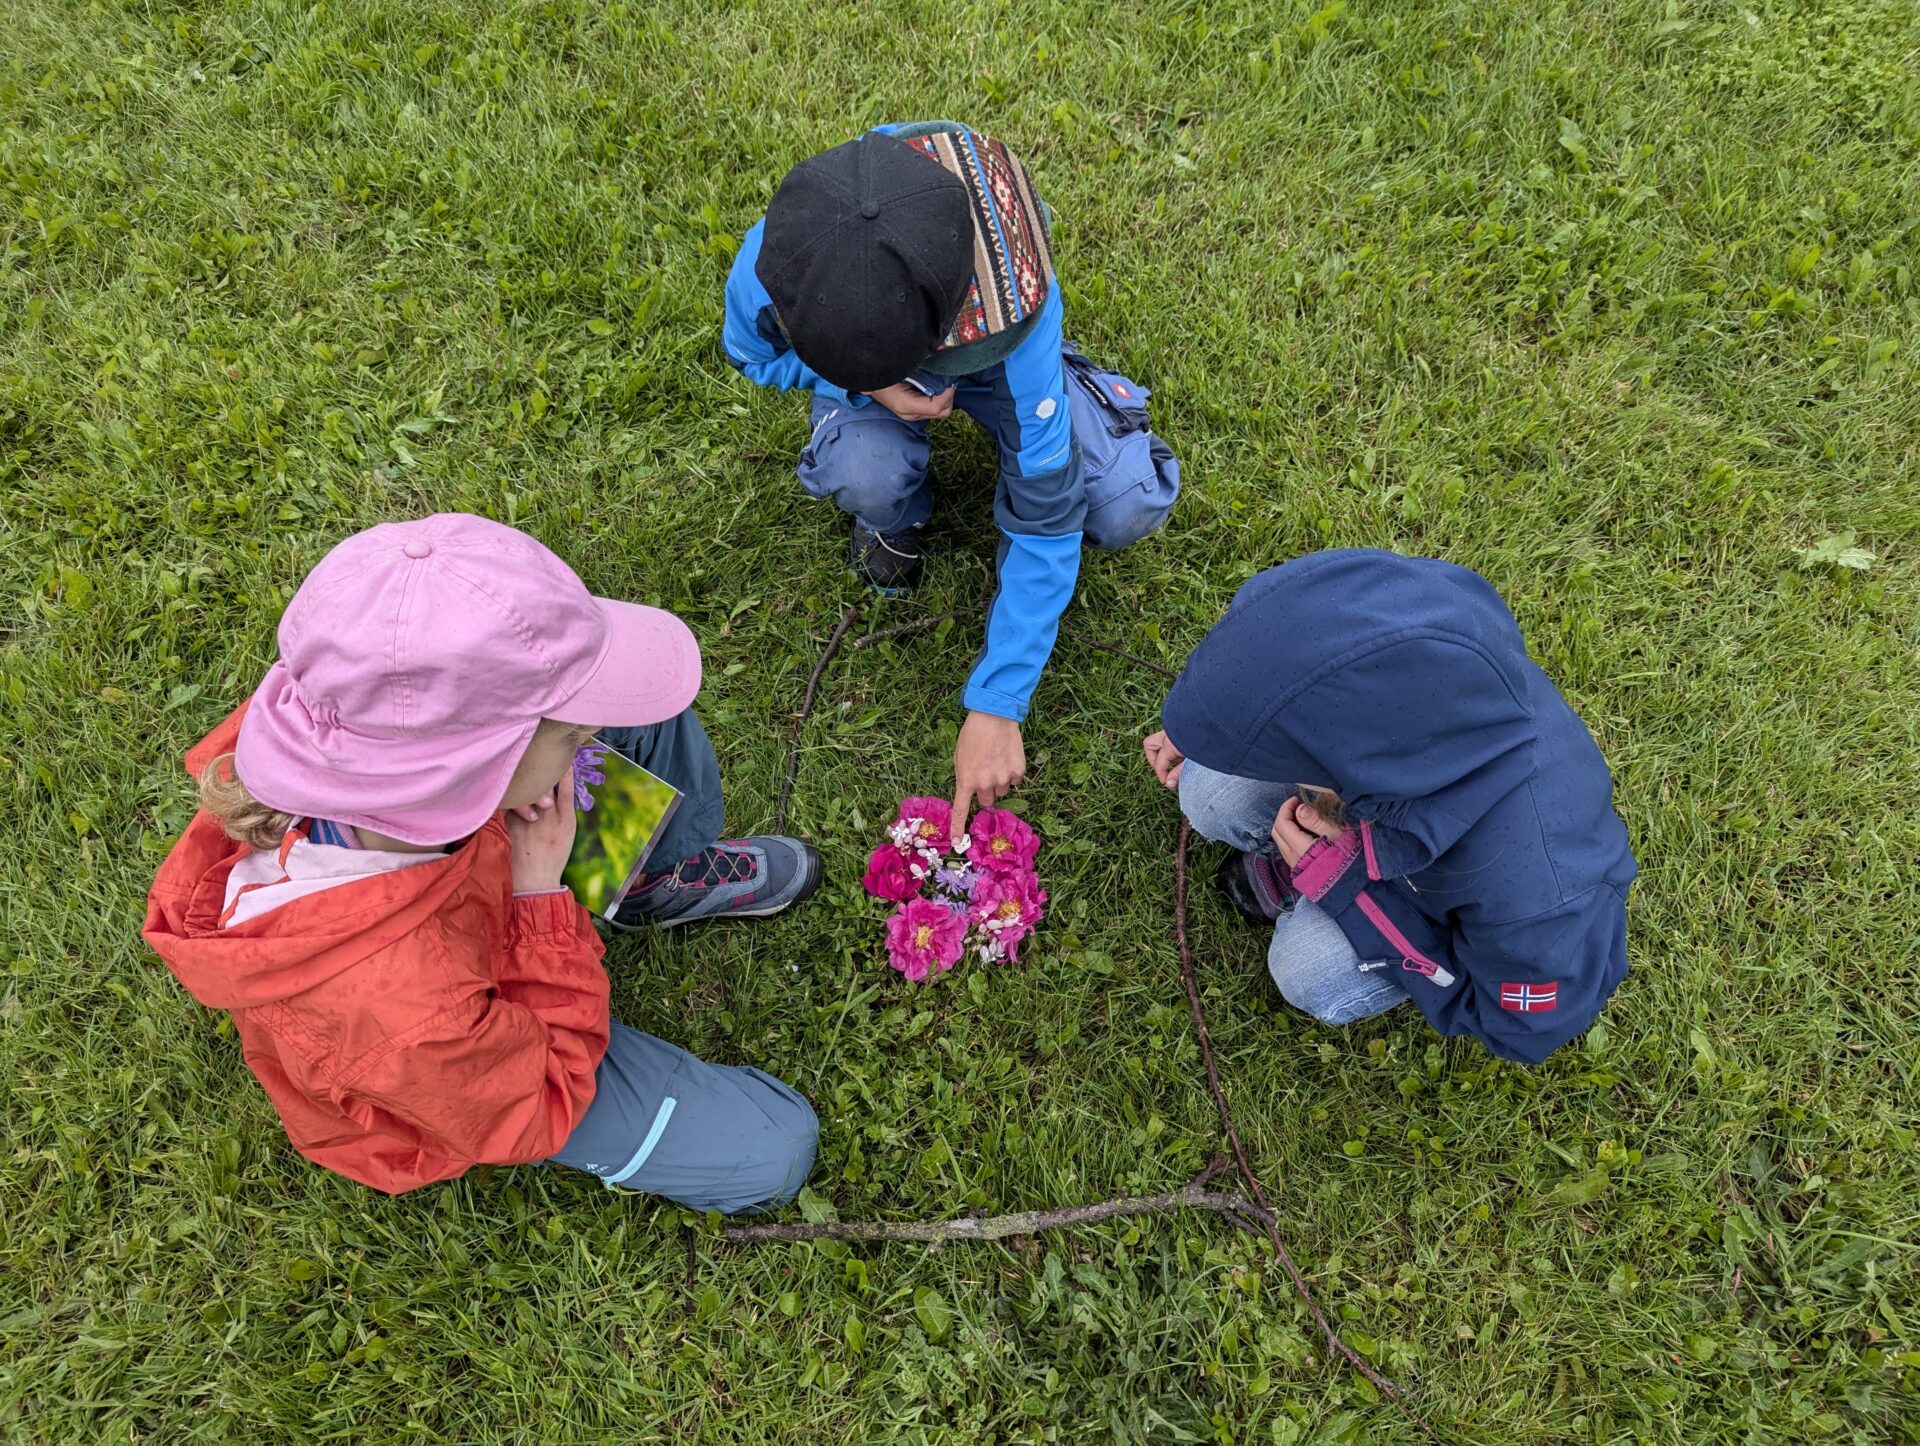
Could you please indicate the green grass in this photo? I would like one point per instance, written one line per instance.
(1614, 303)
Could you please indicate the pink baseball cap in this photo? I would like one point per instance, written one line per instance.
(418, 658)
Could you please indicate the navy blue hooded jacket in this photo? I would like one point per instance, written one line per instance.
(1485, 862)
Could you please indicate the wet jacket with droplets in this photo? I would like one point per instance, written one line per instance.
(1486, 865)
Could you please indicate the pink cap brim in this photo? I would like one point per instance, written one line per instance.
(648, 672)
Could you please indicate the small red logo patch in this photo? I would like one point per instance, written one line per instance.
(1121, 390)
(1530, 998)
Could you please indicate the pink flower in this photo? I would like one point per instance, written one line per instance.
(923, 936)
(1004, 910)
(931, 820)
(887, 875)
(1002, 842)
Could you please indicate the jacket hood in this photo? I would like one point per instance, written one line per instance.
(279, 955)
(1402, 683)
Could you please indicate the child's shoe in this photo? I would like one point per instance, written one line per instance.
(889, 561)
(739, 878)
(1259, 888)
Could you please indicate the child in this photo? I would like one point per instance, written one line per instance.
(901, 275)
(372, 886)
(1455, 838)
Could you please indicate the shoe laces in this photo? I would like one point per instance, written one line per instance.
(727, 862)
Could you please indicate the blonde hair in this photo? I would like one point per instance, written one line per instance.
(249, 821)
(245, 818)
(1325, 802)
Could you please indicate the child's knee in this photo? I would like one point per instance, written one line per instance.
(1209, 801)
(1125, 520)
(1318, 973)
(866, 468)
(781, 1160)
(1301, 986)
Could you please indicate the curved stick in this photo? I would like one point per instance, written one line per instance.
(806, 711)
(1300, 1286)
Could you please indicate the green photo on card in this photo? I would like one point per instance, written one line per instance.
(617, 830)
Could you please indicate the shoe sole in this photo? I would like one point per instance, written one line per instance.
(812, 871)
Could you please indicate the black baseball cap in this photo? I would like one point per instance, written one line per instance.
(867, 255)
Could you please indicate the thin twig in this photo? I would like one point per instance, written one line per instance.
(1161, 668)
(806, 711)
(1266, 1213)
(1234, 1207)
(917, 625)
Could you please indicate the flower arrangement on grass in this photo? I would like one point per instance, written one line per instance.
(987, 899)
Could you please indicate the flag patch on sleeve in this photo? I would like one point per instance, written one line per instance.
(1530, 998)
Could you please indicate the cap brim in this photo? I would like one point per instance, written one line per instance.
(649, 672)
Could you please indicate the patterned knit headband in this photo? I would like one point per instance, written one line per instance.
(1012, 261)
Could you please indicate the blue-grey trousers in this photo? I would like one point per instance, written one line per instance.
(708, 1136)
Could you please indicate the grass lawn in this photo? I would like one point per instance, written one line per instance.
(1615, 303)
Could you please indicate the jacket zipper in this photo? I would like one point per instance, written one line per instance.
(1411, 958)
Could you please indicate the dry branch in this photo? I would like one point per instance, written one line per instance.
(1235, 1208)
(1300, 1286)
(806, 711)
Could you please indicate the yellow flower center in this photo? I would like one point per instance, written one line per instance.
(1002, 844)
(923, 936)
(1010, 909)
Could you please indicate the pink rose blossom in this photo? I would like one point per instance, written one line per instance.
(924, 936)
(1002, 842)
(1004, 910)
(887, 875)
(931, 820)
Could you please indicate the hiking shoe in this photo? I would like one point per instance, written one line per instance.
(889, 561)
(738, 878)
(1259, 888)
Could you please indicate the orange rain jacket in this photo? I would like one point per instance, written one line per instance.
(407, 1025)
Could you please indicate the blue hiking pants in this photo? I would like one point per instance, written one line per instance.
(873, 464)
(708, 1136)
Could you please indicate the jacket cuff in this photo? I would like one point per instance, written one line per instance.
(1002, 705)
(555, 914)
(1323, 864)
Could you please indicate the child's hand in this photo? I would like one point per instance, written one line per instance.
(910, 405)
(989, 762)
(1165, 758)
(540, 836)
(1296, 827)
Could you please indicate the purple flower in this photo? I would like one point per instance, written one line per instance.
(958, 882)
(586, 770)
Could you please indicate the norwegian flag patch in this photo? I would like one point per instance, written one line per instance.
(1530, 998)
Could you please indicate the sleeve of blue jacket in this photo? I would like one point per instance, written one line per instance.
(1041, 506)
(1523, 987)
(752, 337)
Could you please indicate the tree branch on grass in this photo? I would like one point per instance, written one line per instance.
(880, 635)
(1235, 1208)
(1300, 1286)
(1254, 1215)
(806, 712)
(1161, 668)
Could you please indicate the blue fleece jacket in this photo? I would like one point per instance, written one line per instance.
(1486, 864)
(1040, 505)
